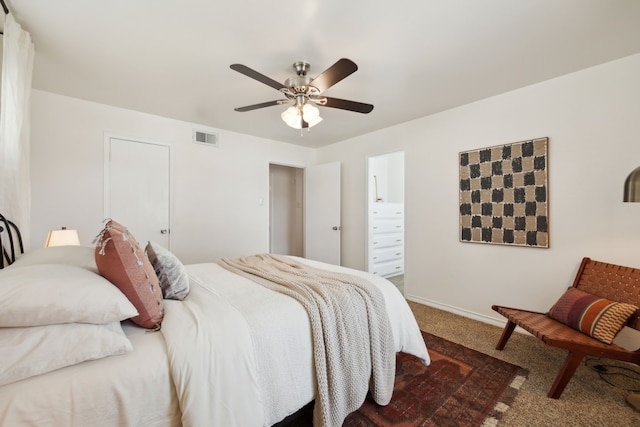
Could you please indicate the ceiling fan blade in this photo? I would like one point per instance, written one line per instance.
(243, 69)
(343, 104)
(332, 75)
(261, 105)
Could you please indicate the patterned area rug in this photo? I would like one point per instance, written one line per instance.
(462, 387)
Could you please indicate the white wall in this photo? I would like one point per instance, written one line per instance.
(592, 119)
(216, 191)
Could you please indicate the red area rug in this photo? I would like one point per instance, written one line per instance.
(462, 387)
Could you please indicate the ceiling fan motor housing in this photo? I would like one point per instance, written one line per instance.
(301, 67)
(298, 84)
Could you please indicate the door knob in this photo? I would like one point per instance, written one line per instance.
(164, 231)
(335, 227)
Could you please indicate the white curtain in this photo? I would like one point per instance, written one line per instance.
(17, 70)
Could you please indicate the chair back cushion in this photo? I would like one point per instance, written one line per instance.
(612, 282)
(597, 317)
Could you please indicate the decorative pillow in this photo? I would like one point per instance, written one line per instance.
(171, 273)
(45, 294)
(121, 260)
(26, 352)
(597, 317)
(81, 256)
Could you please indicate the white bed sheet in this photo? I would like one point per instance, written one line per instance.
(105, 392)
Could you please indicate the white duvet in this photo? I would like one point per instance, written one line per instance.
(241, 355)
(233, 353)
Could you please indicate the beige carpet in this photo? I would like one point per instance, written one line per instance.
(586, 401)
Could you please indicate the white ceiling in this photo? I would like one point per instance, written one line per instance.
(415, 57)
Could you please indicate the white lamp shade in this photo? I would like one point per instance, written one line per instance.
(62, 237)
(314, 121)
(291, 116)
(310, 112)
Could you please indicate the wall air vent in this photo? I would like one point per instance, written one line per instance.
(210, 139)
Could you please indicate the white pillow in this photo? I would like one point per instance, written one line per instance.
(81, 256)
(173, 277)
(47, 294)
(26, 352)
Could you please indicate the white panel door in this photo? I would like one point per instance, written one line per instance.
(322, 213)
(137, 188)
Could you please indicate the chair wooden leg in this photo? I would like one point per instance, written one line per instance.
(506, 334)
(571, 363)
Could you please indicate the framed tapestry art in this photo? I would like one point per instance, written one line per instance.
(504, 194)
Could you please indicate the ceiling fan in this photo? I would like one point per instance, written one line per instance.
(305, 93)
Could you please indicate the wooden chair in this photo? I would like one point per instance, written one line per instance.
(610, 281)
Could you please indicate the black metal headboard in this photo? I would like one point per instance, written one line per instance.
(10, 242)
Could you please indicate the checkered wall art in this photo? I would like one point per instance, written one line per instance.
(504, 194)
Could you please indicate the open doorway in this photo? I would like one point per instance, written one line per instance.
(304, 211)
(286, 210)
(385, 207)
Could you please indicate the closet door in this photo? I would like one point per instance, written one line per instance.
(137, 188)
(322, 213)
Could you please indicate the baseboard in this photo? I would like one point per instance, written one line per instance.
(460, 312)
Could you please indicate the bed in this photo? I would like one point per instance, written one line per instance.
(230, 351)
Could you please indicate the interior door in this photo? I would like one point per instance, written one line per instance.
(137, 184)
(322, 213)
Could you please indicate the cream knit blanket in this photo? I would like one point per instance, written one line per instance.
(352, 338)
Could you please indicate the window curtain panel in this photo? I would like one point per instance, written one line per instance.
(17, 71)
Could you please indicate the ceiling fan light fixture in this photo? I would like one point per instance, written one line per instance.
(291, 116)
(310, 113)
(314, 121)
